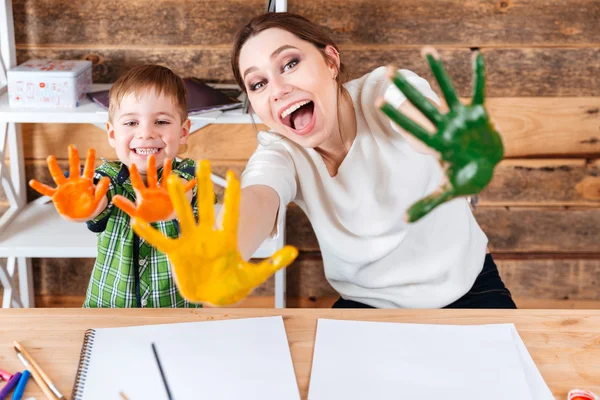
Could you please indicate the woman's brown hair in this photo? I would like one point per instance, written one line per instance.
(293, 23)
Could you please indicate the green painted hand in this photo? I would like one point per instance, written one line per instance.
(468, 144)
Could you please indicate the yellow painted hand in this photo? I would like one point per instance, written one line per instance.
(207, 265)
(74, 197)
(153, 202)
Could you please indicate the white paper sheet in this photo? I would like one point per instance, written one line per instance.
(539, 389)
(375, 360)
(230, 359)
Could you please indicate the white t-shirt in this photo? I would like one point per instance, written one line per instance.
(370, 254)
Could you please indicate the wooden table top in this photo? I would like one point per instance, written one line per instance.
(565, 344)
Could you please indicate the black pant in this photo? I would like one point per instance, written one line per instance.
(488, 291)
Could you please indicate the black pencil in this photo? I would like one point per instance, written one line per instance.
(162, 373)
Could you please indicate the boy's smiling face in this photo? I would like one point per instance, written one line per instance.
(144, 124)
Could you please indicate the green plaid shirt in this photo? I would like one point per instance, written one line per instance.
(129, 272)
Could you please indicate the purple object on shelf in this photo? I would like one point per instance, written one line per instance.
(10, 385)
(201, 98)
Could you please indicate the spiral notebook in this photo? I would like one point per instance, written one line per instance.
(230, 359)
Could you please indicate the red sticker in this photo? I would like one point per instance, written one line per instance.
(578, 394)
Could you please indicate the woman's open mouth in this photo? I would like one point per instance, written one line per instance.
(299, 117)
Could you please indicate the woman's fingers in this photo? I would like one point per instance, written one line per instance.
(281, 259)
(152, 236)
(479, 84)
(185, 214)
(437, 67)
(408, 124)
(414, 96)
(205, 196)
(232, 205)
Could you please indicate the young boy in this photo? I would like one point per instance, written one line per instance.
(147, 117)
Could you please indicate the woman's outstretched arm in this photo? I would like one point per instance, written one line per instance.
(259, 205)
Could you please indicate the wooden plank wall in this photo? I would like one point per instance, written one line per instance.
(542, 210)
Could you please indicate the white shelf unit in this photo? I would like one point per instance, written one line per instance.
(35, 230)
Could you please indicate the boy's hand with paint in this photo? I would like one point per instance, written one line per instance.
(152, 202)
(76, 197)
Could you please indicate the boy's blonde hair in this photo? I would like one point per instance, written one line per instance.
(147, 77)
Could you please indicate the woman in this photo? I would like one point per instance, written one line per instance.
(334, 154)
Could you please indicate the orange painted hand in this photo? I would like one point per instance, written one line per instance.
(74, 197)
(207, 265)
(152, 202)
